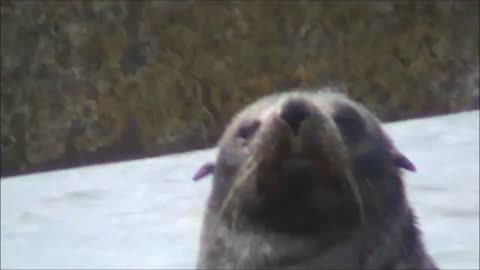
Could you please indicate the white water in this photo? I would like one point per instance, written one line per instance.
(147, 213)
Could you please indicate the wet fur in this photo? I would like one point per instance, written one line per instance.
(258, 219)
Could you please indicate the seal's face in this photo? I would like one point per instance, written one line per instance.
(308, 180)
(292, 162)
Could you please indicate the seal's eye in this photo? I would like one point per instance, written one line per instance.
(349, 123)
(247, 129)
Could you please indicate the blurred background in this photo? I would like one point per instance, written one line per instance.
(86, 82)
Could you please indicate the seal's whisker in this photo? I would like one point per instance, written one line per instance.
(245, 172)
(356, 194)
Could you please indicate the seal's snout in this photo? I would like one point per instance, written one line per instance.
(294, 112)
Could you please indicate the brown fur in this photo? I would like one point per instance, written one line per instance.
(322, 192)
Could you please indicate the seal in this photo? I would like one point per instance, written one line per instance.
(309, 180)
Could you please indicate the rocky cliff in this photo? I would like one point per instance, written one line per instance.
(93, 81)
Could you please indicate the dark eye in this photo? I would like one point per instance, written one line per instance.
(248, 128)
(349, 123)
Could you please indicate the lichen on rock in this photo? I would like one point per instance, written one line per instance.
(93, 81)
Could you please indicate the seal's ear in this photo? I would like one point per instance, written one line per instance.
(402, 161)
(204, 170)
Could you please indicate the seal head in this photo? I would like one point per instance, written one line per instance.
(308, 179)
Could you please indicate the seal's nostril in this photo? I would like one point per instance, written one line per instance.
(294, 112)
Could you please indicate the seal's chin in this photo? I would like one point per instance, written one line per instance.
(302, 193)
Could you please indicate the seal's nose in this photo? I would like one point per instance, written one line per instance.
(294, 112)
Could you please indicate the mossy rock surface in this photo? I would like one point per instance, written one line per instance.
(92, 81)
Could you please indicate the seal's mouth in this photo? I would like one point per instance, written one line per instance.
(300, 131)
(301, 144)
